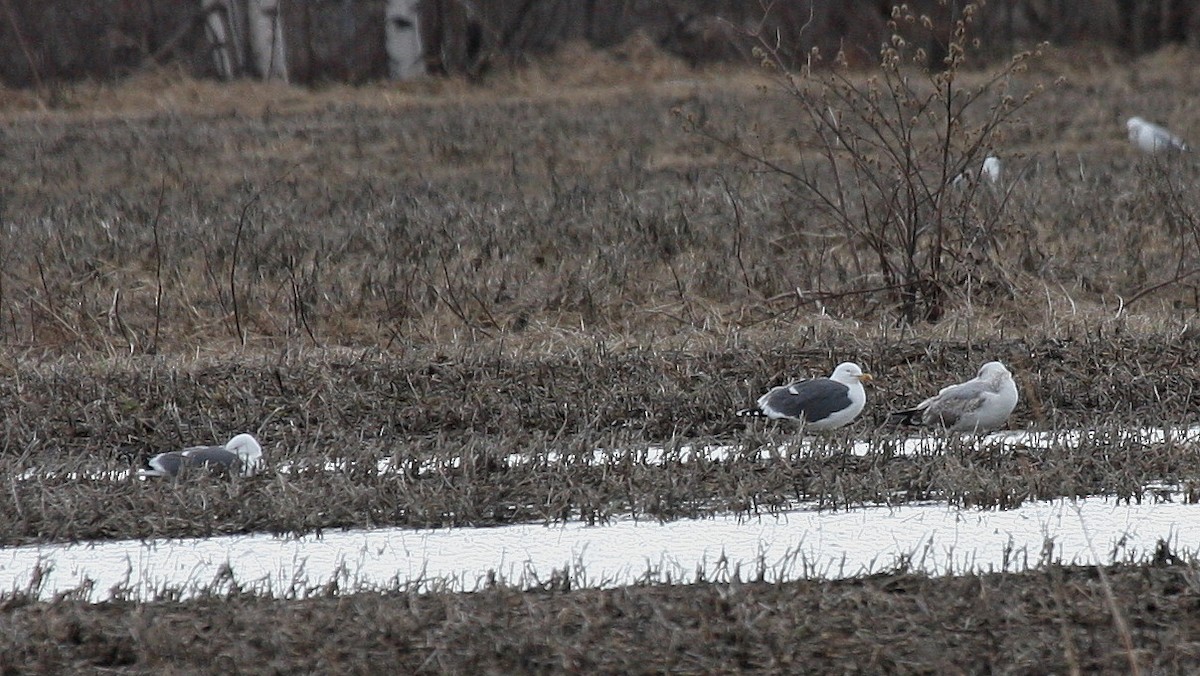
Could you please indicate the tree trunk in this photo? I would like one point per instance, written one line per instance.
(406, 57)
(219, 26)
(246, 36)
(265, 32)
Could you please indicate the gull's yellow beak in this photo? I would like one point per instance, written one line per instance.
(865, 378)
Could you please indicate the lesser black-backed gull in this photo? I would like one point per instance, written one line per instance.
(821, 403)
(241, 454)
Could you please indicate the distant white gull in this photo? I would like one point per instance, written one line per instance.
(979, 405)
(1151, 138)
(821, 403)
(991, 171)
(240, 454)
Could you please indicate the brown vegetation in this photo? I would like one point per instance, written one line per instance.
(391, 217)
(1055, 620)
(449, 422)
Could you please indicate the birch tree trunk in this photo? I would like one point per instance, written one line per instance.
(406, 55)
(246, 35)
(222, 38)
(265, 37)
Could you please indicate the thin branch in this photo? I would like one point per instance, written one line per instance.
(158, 292)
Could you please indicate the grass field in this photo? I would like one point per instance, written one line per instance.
(552, 261)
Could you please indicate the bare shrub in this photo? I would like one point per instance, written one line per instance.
(1167, 218)
(890, 164)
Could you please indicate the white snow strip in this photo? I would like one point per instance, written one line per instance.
(932, 538)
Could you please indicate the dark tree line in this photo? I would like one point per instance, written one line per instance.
(344, 40)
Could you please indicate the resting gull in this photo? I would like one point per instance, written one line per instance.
(991, 172)
(1151, 138)
(821, 403)
(240, 454)
(981, 404)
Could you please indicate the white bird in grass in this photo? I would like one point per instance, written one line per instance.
(821, 403)
(1151, 138)
(979, 405)
(241, 454)
(991, 171)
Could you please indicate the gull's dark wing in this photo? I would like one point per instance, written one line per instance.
(170, 464)
(813, 400)
(211, 456)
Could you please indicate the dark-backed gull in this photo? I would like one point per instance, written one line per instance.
(241, 454)
(821, 403)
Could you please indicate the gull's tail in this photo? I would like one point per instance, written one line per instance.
(910, 416)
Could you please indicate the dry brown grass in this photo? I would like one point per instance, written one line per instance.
(1053, 620)
(371, 216)
(449, 422)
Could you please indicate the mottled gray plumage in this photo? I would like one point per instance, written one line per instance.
(821, 403)
(981, 404)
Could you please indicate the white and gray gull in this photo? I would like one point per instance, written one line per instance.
(821, 403)
(992, 171)
(979, 405)
(241, 454)
(1151, 138)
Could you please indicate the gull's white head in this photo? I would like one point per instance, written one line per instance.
(1135, 123)
(848, 372)
(246, 447)
(993, 371)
